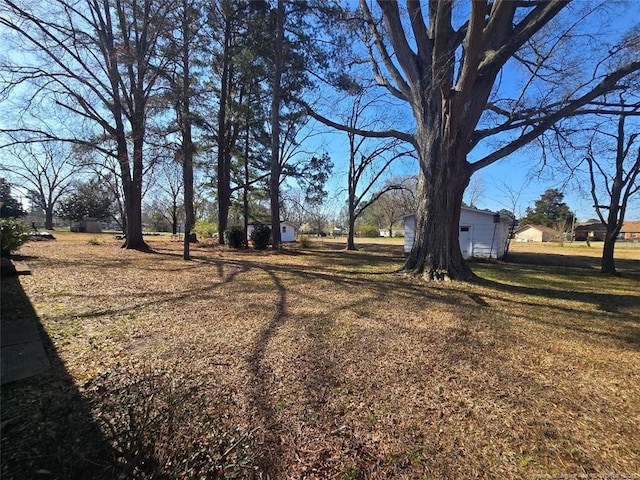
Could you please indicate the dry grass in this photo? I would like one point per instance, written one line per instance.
(325, 364)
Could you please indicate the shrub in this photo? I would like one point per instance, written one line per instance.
(304, 241)
(234, 237)
(260, 236)
(206, 229)
(164, 425)
(13, 233)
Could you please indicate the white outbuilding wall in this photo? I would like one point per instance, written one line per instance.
(480, 235)
(287, 232)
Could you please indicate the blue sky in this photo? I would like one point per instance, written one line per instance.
(514, 171)
(520, 171)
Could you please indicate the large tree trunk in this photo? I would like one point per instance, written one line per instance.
(174, 219)
(133, 208)
(613, 226)
(245, 190)
(224, 175)
(132, 189)
(276, 99)
(351, 200)
(48, 217)
(444, 175)
(351, 243)
(608, 264)
(187, 140)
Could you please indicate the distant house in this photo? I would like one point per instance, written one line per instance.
(287, 231)
(536, 233)
(385, 232)
(589, 231)
(630, 231)
(482, 233)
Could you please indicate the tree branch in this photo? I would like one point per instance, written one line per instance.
(544, 123)
(405, 137)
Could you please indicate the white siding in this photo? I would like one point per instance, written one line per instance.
(409, 232)
(529, 234)
(488, 239)
(287, 232)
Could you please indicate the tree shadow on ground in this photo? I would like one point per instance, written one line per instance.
(602, 301)
(47, 427)
(626, 267)
(554, 282)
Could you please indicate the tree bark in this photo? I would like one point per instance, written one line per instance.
(351, 197)
(444, 175)
(245, 190)
(607, 264)
(613, 226)
(48, 218)
(224, 176)
(187, 141)
(174, 221)
(135, 240)
(436, 251)
(133, 207)
(276, 100)
(351, 244)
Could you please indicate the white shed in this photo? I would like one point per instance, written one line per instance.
(287, 231)
(482, 234)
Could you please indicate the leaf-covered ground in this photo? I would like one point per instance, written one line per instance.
(321, 363)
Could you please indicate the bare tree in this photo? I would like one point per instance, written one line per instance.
(613, 176)
(449, 73)
(394, 202)
(367, 165)
(513, 196)
(474, 191)
(170, 186)
(100, 62)
(46, 170)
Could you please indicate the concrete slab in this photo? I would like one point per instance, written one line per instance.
(22, 361)
(22, 353)
(16, 332)
(9, 268)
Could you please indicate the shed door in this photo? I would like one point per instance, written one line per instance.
(466, 244)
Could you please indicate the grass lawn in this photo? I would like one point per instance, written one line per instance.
(319, 363)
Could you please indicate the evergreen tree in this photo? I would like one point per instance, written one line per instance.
(9, 206)
(90, 199)
(549, 211)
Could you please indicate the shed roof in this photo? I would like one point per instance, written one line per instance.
(468, 209)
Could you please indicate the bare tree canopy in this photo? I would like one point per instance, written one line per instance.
(100, 62)
(45, 170)
(492, 74)
(613, 158)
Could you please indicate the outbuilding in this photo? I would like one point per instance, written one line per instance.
(483, 234)
(287, 231)
(536, 233)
